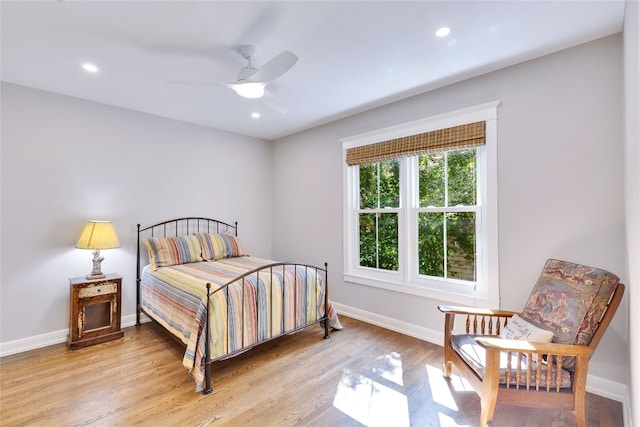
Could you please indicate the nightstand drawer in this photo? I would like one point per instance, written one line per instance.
(102, 289)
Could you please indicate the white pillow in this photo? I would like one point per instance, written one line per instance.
(519, 329)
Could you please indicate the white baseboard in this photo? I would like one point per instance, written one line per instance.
(596, 385)
(50, 338)
(32, 343)
(405, 328)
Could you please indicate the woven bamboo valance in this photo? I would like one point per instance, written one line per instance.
(464, 136)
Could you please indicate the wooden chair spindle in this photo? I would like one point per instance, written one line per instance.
(529, 363)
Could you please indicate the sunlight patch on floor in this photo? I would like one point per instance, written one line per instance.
(370, 402)
(457, 382)
(375, 397)
(440, 391)
(460, 384)
(391, 368)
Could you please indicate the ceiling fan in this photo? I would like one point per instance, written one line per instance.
(252, 80)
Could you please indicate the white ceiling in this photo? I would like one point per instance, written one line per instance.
(164, 57)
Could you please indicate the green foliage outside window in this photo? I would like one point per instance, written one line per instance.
(379, 189)
(460, 248)
(431, 244)
(379, 240)
(445, 236)
(380, 185)
(447, 179)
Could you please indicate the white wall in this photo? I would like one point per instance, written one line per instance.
(65, 161)
(561, 183)
(632, 190)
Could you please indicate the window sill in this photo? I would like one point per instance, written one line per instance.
(473, 299)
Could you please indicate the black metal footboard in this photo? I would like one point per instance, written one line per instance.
(253, 278)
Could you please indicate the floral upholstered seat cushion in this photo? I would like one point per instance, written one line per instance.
(569, 300)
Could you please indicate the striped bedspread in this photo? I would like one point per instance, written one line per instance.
(273, 302)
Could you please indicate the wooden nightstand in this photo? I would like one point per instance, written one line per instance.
(94, 315)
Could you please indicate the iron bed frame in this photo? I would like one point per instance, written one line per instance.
(191, 225)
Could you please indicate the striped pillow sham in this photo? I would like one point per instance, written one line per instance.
(167, 251)
(218, 245)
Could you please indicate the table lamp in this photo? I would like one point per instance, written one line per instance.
(98, 235)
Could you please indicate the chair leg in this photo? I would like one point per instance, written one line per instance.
(580, 417)
(580, 412)
(448, 350)
(447, 367)
(489, 390)
(579, 392)
(487, 408)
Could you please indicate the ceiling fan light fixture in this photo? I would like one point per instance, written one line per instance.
(250, 90)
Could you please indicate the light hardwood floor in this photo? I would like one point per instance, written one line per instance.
(362, 376)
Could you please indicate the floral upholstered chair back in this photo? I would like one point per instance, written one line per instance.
(569, 300)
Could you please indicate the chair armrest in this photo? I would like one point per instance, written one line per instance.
(565, 350)
(475, 311)
(478, 321)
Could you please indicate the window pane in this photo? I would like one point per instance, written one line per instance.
(390, 184)
(388, 241)
(431, 244)
(462, 177)
(368, 241)
(461, 245)
(379, 240)
(380, 185)
(431, 179)
(369, 186)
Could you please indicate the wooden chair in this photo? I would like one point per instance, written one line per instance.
(573, 301)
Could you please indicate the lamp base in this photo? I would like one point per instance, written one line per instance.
(96, 273)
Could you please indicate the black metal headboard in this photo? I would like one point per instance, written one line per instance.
(188, 225)
(177, 227)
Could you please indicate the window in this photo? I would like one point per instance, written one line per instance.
(446, 214)
(421, 207)
(378, 215)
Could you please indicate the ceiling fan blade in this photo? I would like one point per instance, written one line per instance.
(274, 68)
(275, 102)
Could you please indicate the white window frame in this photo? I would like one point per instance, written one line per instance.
(486, 291)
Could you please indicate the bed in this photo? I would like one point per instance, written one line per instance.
(201, 287)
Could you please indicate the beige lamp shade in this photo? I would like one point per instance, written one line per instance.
(98, 235)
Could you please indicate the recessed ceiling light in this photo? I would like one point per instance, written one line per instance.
(90, 68)
(443, 31)
(255, 115)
